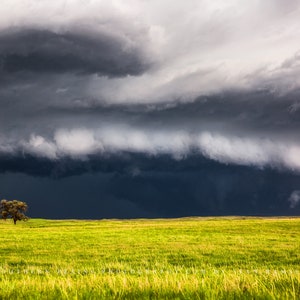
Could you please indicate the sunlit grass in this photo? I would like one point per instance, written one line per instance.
(192, 258)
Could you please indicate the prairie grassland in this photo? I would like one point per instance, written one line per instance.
(189, 258)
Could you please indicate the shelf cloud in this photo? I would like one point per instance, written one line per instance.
(81, 143)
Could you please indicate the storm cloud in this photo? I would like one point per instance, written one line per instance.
(145, 88)
(42, 51)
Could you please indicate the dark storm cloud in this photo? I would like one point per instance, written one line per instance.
(156, 188)
(43, 51)
(126, 163)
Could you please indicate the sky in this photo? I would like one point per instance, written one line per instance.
(147, 108)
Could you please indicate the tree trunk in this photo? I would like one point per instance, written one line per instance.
(15, 221)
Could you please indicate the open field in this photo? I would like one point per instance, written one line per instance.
(191, 258)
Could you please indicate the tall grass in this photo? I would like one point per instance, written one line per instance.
(191, 258)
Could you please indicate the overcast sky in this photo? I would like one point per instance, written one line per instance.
(87, 84)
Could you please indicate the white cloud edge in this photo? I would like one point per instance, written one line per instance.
(80, 143)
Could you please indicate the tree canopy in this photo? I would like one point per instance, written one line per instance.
(13, 209)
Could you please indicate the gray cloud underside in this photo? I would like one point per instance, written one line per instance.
(160, 188)
(43, 51)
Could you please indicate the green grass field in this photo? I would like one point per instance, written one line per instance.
(192, 258)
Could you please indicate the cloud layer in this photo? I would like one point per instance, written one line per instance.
(215, 79)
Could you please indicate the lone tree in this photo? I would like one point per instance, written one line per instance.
(13, 209)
